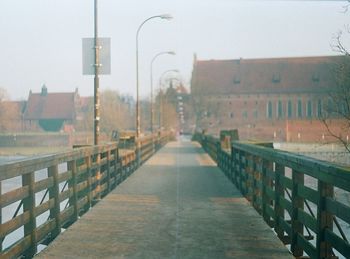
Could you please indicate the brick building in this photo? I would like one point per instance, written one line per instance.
(278, 99)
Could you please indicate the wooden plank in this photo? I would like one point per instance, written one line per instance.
(324, 220)
(82, 186)
(66, 215)
(285, 226)
(318, 169)
(29, 206)
(338, 243)
(63, 177)
(279, 193)
(287, 182)
(82, 202)
(40, 209)
(286, 204)
(17, 249)
(13, 224)
(43, 230)
(14, 196)
(308, 220)
(307, 246)
(298, 204)
(338, 209)
(18, 168)
(270, 193)
(270, 174)
(72, 183)
(270, 211)
(308, 194)
(54, 194)
(43, 184)
(65, 195)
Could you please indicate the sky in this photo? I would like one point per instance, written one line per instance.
(41, 40)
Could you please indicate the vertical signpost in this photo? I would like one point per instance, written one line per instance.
(96, 61)
(96, 79)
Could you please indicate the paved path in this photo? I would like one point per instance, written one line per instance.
(177, 205)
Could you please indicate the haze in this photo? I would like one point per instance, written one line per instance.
(41, 39)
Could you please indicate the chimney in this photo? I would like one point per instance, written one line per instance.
(44, 90)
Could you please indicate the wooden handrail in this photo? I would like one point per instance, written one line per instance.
(276, 184)
(87, 174)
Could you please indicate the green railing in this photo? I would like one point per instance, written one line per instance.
(40, 196)
(305, 201)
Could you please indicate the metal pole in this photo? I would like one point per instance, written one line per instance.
(96, 80)
(163, 16)
(152, 106)
(151, 98)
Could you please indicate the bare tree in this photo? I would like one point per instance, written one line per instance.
(336, 115)
(10, 114)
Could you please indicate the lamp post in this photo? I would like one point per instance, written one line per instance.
(160, 101)
(163, 16)
(96, 80)
(154, 58)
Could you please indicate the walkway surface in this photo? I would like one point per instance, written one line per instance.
(177, 205)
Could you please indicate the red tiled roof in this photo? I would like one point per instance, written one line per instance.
(274, 75)
(50, 106)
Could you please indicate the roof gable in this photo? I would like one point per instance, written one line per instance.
(50, 106)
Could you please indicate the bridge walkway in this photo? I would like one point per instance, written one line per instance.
(177, 205)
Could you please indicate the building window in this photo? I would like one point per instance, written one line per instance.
(255, 114)
(299, 109)
(276, 78)
(309, 109)
(319, 108)
(289, 109)
(244, 114)
(231, 115)
(279, 110)
(316, 78)
(236, 80)
(269, 110)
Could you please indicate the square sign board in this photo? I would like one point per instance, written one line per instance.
(89, 56)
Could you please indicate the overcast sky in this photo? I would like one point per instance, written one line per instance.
(40, 40)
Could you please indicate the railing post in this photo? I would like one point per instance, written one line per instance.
(234, 166)
(54, 193)
(256, 178)
(72, 183)
(88, 180)
(297, 203)
(266, 182)
(249, 174)
(98, 177)
(108, 171)
(1, 239)
(324, 220)
(279, 192)
(240, 184)
(115, 166)
(29, 206)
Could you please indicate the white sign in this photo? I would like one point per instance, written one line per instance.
(89, 56)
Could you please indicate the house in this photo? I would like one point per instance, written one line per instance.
(273, 98)
(51, 111)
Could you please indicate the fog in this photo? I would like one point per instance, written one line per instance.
(41, 39)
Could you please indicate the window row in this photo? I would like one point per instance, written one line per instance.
(298, 109)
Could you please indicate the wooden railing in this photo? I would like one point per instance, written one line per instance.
(40, 196)
(305, 201)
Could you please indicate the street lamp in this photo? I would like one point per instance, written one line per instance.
(160, 101)
(163, 16)
(154, 58)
